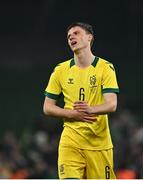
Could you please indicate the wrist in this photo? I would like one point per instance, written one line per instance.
(69, 114)
(92, 110)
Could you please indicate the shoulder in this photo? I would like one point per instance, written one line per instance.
(106, 64)
(62, 66)
(104, 61)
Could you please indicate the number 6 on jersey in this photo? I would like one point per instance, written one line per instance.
(81, 94)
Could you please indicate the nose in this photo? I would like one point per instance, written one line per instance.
(71, 38)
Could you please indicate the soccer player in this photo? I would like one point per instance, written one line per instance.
(89, 86)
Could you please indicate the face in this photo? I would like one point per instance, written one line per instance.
(78, 38)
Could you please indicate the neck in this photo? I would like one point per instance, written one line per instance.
(84, 59)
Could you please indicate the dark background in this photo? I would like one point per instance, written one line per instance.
(33, 41)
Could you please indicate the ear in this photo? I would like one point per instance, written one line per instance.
(90, 37)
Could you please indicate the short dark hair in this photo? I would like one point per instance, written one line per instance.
(87, 27)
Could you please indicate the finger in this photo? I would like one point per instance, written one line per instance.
(77, 107)
(89, 118)
(80, 102)
(82, 110)
(80, 106)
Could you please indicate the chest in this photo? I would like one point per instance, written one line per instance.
(77, 78)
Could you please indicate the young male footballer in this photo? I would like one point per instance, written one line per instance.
(89, 86)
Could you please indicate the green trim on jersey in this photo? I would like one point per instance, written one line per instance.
(95, 61)
(72, 63)
(52, 96)
(110, 90)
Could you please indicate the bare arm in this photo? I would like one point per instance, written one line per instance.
(50, 108)
(109, 105)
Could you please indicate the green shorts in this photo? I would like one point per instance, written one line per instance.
(85, 164)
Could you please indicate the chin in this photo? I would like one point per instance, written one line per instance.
(75, 49)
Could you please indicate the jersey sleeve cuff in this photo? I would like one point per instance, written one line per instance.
(110, 90)
(51, 96)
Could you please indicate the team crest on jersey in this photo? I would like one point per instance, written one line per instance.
(70, 81)
(92, 80)
(93, 83)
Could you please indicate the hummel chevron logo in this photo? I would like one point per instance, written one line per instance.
(70, 81)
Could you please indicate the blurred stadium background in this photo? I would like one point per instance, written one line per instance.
(32, 42)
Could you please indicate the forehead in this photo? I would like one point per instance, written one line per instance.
(76, 28)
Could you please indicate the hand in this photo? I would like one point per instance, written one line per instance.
(81, 116)
(82, 106)
(82, 112)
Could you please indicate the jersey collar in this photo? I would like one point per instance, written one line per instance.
(72, 63)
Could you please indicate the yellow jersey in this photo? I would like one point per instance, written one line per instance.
(84, 84)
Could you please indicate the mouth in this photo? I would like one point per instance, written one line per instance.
(73, 43)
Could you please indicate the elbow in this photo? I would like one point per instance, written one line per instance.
(45, 110)
(113, 107)
(49, 106)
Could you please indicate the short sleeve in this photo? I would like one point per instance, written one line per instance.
(109, 80)
(53, 89)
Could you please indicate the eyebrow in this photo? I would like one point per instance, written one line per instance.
(68, 36)
(76, 31)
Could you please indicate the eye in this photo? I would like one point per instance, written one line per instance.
(76, 32)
